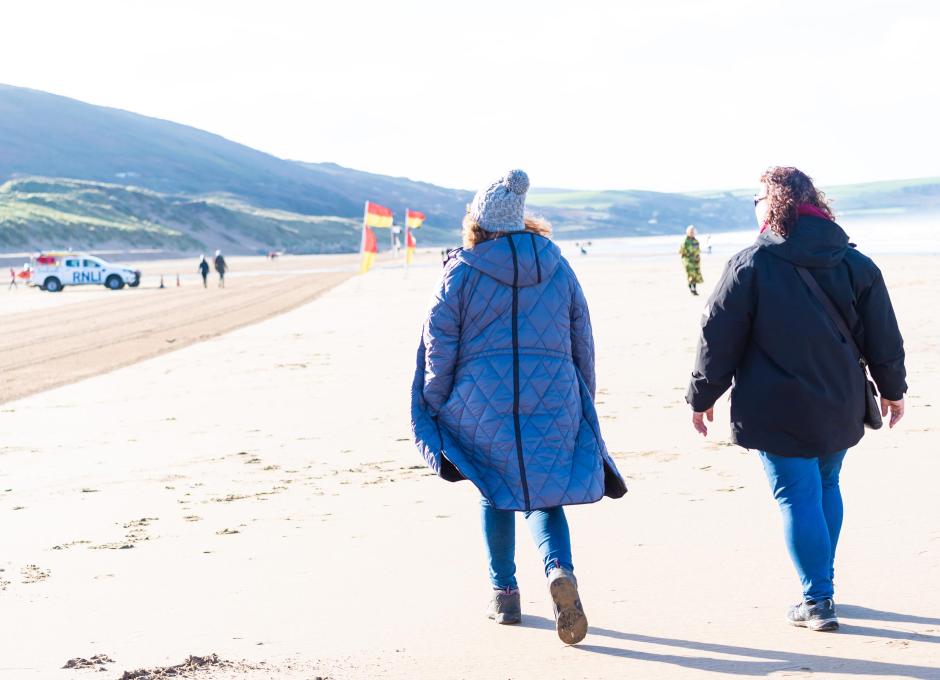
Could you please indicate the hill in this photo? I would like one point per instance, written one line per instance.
(47, 135)
(623, 213)
(72, 173)
(595, 214)
(37, 211)
(912, 196)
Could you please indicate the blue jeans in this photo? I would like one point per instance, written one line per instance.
(807, 490)
(549, 529)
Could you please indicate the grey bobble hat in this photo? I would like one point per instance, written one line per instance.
(501, 206)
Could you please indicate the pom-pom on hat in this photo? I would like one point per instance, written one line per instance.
(501, 206)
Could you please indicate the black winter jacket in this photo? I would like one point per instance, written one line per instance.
(798, 387)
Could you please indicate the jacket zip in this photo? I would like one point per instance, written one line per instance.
(515, 371)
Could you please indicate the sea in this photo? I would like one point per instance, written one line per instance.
(873, 235)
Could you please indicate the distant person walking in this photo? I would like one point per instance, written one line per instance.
(13, 285)
(690, 252)
(204, 271)
(220, 267)
(503, 394)
(791, 325)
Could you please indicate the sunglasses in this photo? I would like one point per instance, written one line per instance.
(758, 200)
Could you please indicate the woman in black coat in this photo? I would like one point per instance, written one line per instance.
(204, 271)
(798, 391)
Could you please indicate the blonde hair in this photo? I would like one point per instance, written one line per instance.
(474, 234)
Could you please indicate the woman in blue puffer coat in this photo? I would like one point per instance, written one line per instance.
(503, 393)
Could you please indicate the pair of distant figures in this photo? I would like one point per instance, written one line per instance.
(220, 267)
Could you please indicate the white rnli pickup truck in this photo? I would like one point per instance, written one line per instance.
(53, 271)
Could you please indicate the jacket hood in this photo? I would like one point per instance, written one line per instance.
(813, 242)
(536, 259)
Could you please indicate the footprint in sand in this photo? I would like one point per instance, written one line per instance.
(97, 662)
(210, 663)
(33, 574)
(229, 498)
(142, 522)
(659, 456)
(717, 446)
(136, 532)
(66, 546)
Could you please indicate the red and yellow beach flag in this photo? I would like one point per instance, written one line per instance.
(378, 216)
(370, 246)
(410, 245)
(414, 219)
(374, 216)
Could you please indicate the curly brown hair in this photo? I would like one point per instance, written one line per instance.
(787, 190)
(474, 234)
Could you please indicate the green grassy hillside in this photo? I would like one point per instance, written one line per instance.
(623, 213)
(46, 135)
(626, 213)
(40, 212)
(911, 196)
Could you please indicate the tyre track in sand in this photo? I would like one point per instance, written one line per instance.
(95, 336)
(178, 302)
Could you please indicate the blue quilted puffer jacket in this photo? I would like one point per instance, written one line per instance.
(503, 394)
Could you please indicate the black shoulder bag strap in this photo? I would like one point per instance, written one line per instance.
(831, 310)
(872, 408)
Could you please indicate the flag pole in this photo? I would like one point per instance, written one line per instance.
(362, 241)
(406, 238)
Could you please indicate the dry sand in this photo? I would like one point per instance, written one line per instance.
(257, 496)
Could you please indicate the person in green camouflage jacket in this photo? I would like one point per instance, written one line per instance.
(690, 252)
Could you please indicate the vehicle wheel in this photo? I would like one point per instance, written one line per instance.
(52, 284)
(114, 282)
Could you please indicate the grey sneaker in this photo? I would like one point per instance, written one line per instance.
(570, 621)
(505, 606)
(819, 616)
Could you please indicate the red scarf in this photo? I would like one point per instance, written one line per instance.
(805, 210)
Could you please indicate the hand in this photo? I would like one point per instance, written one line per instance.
(698, 420)
(896, 408)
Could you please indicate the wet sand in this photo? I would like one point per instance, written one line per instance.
(257, 496)
(56, 338)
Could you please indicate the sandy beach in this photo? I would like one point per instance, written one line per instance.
(256, 495)
(57, 338)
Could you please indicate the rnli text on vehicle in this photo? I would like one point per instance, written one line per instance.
(86, 277)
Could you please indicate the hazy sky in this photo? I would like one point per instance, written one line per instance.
(666, 95)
